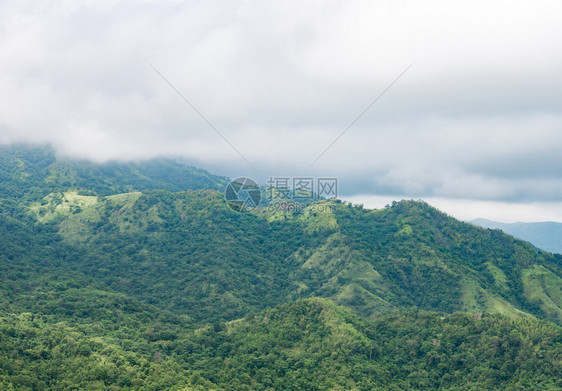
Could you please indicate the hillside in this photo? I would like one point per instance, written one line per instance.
(34, 172)
(544, 235)
(315, 345)
(189, 252)
(305, 345)
(139, 276)
(186, 251)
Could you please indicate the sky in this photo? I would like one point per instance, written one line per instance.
(464, 98)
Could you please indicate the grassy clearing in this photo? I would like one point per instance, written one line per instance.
(500, 279)
(541, 285)
(476, 299)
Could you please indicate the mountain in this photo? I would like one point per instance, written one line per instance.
(544, 235)
(34, 172)
(189, 253)
(139, 276)
(193, 254)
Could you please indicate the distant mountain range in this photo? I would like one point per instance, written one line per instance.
(546, 235)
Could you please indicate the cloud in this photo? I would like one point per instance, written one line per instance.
(470, 209)
(477, 117)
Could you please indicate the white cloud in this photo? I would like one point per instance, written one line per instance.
(477, 117)
(470, 209)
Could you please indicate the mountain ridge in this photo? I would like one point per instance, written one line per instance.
(32, 172)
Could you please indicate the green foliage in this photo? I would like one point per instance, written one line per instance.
(30, 173)
(37, 355)
(305, 345)
(314, 345)
(189, 253)
(138, 276)
(411, 254)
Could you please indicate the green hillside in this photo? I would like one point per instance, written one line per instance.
(34, 172)
(315, 345)
(139, 276)
(187, 251)
(304, 345)
(38, 355)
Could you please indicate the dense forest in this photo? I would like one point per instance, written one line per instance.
(139, 276)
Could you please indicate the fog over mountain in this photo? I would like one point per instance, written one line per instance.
(475, 121)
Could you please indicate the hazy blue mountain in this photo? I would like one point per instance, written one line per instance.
(544, 235)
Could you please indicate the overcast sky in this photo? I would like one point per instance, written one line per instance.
(474, 126)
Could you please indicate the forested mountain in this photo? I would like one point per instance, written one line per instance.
(189, 252)
(139, 276)
(34, 172)
(545, 235)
